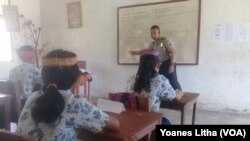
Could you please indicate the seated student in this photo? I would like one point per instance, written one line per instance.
(26, 73)
(148, 82)
(55, 113)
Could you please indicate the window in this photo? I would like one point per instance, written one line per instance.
(5, 42)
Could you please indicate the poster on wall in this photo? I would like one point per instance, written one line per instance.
(74, 14)
(231, 32)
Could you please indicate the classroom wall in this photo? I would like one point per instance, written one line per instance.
(221, 77)
(31, 10)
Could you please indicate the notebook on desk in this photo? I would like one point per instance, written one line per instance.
(110, 106)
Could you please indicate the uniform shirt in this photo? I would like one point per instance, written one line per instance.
(77, 114)
(28, 75)
(164, 47)
(160, 90)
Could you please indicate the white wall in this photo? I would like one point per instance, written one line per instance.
(31, 10)
(222, 76)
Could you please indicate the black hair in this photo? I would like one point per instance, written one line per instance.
(25, 48)
(155, 27)
(49, 106)
(145, 73)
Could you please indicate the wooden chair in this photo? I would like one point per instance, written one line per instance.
(8, 136)
(7, 87)
(143, 102)
(14, 89)
(82, 65)
(18, 89)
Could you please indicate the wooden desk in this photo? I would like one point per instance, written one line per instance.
(188, 99)
(5, 102)
(9, 136)
(133, 126)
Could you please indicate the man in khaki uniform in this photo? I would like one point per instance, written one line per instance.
(166, 56)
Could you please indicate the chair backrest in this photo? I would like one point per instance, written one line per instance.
(144, 103)
(18, 88)
(130, 100)
(7, 87)
(8, 136)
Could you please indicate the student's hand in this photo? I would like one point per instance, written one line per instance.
(171, 68)
(84, 78)
(89, 77)
(179, 94)
(113, 124)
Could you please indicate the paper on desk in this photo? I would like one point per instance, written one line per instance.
(110, 106)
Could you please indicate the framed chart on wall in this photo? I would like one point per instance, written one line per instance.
(178, 20)
(74, 14)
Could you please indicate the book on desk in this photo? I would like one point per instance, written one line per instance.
(110, 106)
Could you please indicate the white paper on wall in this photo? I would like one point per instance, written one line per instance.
(231, 32)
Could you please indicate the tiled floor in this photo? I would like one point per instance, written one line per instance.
(209, 117)
(202, 117)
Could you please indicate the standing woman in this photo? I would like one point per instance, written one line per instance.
(55, 113)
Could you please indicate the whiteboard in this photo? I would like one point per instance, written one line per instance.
(178, 20)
